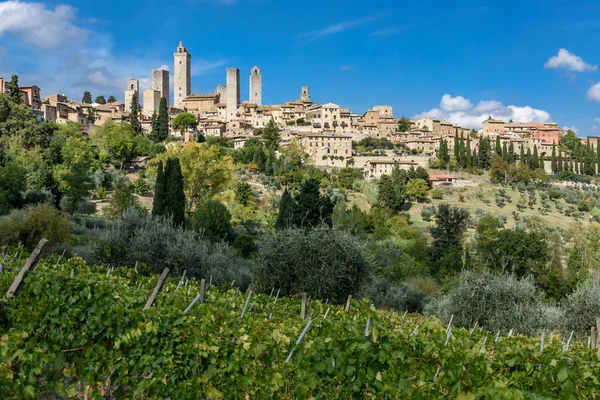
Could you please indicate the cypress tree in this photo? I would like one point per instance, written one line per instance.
(554, 161)
(484, 152)
(456, 148)
(133, 115)
(14, 93)
(522, 155)
(498, 146)
(468, 156)
(175, 194)
(511, 152)
(163, 121)
(505, 155)
(528, 159)
(559, 164)
(474, 158)
(286, 211)
(462, 156)
(598, 155)
(154, 125)
(160, 193)
(535, 162)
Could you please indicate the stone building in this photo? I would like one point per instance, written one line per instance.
(304, 95)
(160, 82)
(221, 92)
(233, 93)
(151, 102)
(327, 150)
(255, 87)
(31, 97)
(201, 105)
(376, 168)
(182, 80)
(133, 88)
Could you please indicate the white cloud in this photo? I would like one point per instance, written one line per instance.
(570, 61)
(346, 67)
(164, 67)
(87, 63)
(574, 129)
(337, 28)
(457, 103)
(594, 92)
(34, 24)
(461, 111)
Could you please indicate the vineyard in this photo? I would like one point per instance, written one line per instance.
(81, 331)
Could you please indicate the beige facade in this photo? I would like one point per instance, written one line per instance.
(327, 150)
(151, 102)
(31, 96)
(201, 105)
(376, 168)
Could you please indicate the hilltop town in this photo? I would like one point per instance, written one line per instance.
(326, 131)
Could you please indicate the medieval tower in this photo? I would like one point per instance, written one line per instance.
(133, 88)
(305, 96)
(233, 92)
(160, 83)
(255, 87)
(182, 75)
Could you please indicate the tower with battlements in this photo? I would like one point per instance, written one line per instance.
(255, 87)
(160, 83)
(232, 93)
(182, 81)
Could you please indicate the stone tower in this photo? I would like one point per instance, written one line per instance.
(305, 96)
(133, 87)
(233, 93)
(160, 83)
(182, 75)
(222, 93)
(255, 87)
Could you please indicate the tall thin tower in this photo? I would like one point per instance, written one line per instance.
(255, 87)
(233, 92)
(160, 83)
(183, 77)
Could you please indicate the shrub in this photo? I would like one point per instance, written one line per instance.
(461, 198)
(427, 212)
(39, 196)
(86, 207)
(212, 220)
(437, 194)
(31, 224)
(385, 294)
(495, 302)
(581, 309)
(156, 241)
(140, 186)
(325, 263)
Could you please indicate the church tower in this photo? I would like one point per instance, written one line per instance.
(182, 75)
(255, 87)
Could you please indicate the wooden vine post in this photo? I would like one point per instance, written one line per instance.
(30, 264)
(593, 338)
(598, 337)
(157, 288)
(202, 290)
(348, 303)
(303, 309)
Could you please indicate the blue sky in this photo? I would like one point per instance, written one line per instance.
(459, 60)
